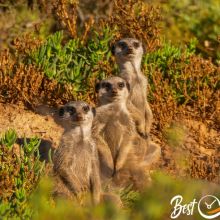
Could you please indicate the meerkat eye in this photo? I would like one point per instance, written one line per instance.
(106, 85)
(136, 44)
(61, 112)
(85, 108)
(121, 85)
(71, 110)
(123, 45)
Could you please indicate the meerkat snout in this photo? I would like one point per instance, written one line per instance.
(77, 112)
(112, 89)
(128, 48)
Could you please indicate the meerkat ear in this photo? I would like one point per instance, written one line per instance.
(128, 86)
(93, 111)
(97, 87)
(113, 49)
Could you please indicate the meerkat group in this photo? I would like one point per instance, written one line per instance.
(110, 144)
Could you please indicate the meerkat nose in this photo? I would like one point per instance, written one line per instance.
(114, 91)
(79, 117)
(130, 50)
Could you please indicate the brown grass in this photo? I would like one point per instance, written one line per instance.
(20, 83)
(136, 19)
(197, 81)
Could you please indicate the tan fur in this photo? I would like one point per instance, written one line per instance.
(76, 165)
(115, 134)
(113, 127)
(112, 198)
(128, 57)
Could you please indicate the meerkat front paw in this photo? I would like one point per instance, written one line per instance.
(147, 127)
(117, 167)
(142, 132)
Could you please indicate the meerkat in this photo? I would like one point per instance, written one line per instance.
(76, 165)
(113, 127)
(128, 53)
(115, 134)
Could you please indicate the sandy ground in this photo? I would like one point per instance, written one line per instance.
(31, 124)
(197, 155)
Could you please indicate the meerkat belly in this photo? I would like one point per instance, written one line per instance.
(81, 165)
(137, 97)
(113, 135)
(138, 89)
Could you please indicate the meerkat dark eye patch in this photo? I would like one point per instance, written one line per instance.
(122, 45)
(94, 111)
(136, 44)
(113, 49)
(71, 110)
(128, 86)
(144, 48)
(106, 85)
(86, 108)
(121, 85)
(97, 87)
(61, 111)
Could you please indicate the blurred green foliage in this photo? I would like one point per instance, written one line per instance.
(22, 196)
(19, 17)
(153, 203)
(188, 19)
(175, 134)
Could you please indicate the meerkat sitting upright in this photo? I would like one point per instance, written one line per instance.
(113, 127)
(116, 137)
(128, 53)
(76, 165)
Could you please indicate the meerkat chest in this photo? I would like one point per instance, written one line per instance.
(116, 128)
(138, 94)
(82, 158)
(135, 79)
(111, 129)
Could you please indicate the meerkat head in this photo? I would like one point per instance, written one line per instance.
(113, 89)
(77, 113)
(128, 49)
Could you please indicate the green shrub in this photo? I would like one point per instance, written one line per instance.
(20, 170)
(73, 62)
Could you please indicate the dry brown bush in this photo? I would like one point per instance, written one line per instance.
(197, 80)
(6, 182)
(20, 83)
(205, 167)
(25, 44)
(66, 12)
(136, 19)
